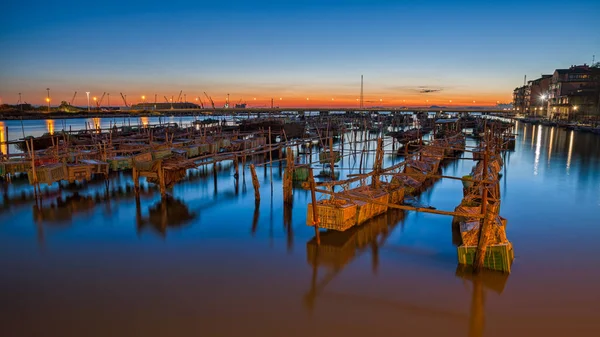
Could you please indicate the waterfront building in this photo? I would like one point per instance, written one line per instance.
(519, 102)
(536, 95)
(573, 92)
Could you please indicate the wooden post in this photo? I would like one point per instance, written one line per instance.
(378, 164)
(136, 182)
(485, 225)
(314, 204)
(161, 181)
(331, 158)
(236, 163)
(288, 177)
(255, 183)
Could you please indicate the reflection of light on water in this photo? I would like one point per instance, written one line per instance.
(96, 122)
(197, 127)
(532, 135)
(3, 138)
(50, 126)
(524, 133)
(538, 147)
(551, 141)
(570, 150)
(144, 121)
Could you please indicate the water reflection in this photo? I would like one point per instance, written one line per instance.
(168, 212)
(550, 145)
(50, 126)
(538, 148)
(144, 121)
(3, 138)
(482, 281)
(338, 249)
(96, 123)
(571, 138)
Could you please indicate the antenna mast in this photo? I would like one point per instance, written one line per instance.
(361, 91)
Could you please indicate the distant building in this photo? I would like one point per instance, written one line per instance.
(574, 92)
(163, 106)
(520, 104)
(536, 95)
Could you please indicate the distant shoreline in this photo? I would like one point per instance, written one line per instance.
(36, 115)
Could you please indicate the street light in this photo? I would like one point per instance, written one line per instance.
(87, 93)
(143, 99)
(48, 98)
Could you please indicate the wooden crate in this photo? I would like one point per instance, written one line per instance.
(98, 167)
(48, 174)
(182, 152)
(301, 174)
(192, 151)
(225, 142)
(160, 154)
(369, 210)
(325, 157)
(79, 172)
(333, 216)
(203, 148)
(497, 257)
(395, 191)
(12, 167)
(120, 163)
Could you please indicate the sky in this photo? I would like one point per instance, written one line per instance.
(298, 53)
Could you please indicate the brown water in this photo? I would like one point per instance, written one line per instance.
(219, 267)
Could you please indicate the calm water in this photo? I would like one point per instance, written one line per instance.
(217, 266)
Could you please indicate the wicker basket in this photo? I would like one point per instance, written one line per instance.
(367, 210)
(497, 257)
(79, 172)
(338, 215)
(48, 174)
(160, 154)
(193, 151)
(120, 163)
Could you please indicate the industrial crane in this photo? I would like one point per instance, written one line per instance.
(124, 100)
(210, 99)
(167, 100)
(99, 102)
(179, 97)
(73, 99)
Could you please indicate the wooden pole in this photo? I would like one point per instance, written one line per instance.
(288, 177)
(136, 182)
(255, 183)
(331, 158)
(161, 180)
(314, 204)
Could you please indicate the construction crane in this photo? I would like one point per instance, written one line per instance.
(99, 102)
(73, 99)
(179, 97)
(167, 100)
(210, 99)
(201, 103)
(124, 100)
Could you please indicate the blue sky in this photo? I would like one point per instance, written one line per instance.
(468, 50)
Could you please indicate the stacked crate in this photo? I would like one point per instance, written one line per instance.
(79, 172)
(48, 174)
(335, 214)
